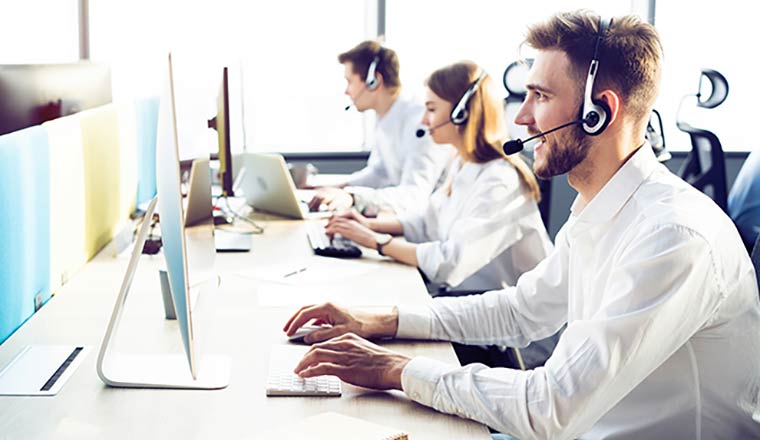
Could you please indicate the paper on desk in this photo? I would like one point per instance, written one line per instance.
(282, 295)
(315, 270)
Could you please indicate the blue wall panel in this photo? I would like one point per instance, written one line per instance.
(147, 126)
(24, 225)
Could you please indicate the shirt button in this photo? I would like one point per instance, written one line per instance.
(416, 396)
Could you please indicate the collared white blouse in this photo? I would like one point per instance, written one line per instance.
(483, 235)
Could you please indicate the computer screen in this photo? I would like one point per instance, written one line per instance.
(221, 123)
(150, 371)
(31, 94)
(172, 221)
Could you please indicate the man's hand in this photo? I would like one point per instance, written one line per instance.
(368, 325)
(335, 199)
(356, 361)
(352, 230)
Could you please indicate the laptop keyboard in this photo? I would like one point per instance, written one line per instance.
(339, 247)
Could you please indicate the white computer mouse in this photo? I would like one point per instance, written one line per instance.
(303, 331)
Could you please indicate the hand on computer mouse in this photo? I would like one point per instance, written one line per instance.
(365, 324)
(300, 334)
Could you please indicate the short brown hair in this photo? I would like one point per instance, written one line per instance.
(485, 129)
(629, 55)
(362, 55)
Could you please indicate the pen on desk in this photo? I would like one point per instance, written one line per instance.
(295, 272)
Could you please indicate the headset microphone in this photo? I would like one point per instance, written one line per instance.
(421, 132)
(516, 145)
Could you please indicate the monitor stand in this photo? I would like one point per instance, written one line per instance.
(153, 371)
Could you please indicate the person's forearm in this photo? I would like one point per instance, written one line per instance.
(402, 251)
(386, 225)
(383, 325)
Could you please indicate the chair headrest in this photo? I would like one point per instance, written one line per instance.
(514, 78)
(718, 92)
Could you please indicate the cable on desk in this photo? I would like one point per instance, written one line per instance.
(227, 209)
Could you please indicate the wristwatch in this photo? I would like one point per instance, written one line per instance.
(381, 240)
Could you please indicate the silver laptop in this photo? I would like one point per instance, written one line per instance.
(268, 186)
(199, 209)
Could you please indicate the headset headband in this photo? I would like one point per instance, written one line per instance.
(594, 113)
(460, 113)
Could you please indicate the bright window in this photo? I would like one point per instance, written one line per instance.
(39, 32)
(428, 34)
(721, 36)
(286, 50)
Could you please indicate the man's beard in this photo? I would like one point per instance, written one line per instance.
(563, 153)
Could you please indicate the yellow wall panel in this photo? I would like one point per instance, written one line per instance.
(102, 180)
(67, 200)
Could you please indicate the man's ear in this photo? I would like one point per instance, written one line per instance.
(612, 99)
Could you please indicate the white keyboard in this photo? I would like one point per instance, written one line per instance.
(287, 383)
(281, 380)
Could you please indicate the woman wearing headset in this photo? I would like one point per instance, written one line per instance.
(481, 229)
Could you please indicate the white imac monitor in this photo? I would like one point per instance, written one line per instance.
(190, 370)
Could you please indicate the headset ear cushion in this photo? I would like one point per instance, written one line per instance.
(603, 110)
(459, 117)
(372, 83)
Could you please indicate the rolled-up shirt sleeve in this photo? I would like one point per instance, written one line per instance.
(372, 176)
(422, 170)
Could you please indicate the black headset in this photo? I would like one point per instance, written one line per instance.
(371, 81)
(460, 113)
(595, 113)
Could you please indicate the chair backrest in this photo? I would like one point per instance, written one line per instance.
(756, 259)
(705, 165)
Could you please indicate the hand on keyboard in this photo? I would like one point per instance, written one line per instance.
(335, 247)
(282, 381)
(287, 383)
(351, 229)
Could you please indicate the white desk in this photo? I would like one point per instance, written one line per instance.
(236, 325)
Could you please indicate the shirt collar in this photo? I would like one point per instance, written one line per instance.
(617, 190)
(466, 172)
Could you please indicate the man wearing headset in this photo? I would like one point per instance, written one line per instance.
(649, 274)
(403, 168)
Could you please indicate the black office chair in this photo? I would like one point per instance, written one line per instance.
(655, 135)
(705, 164)
(514, 78)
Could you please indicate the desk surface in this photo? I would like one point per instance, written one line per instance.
(235, 322)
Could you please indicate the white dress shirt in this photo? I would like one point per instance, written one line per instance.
(663, 334)
(484, 235)
(402, 169)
